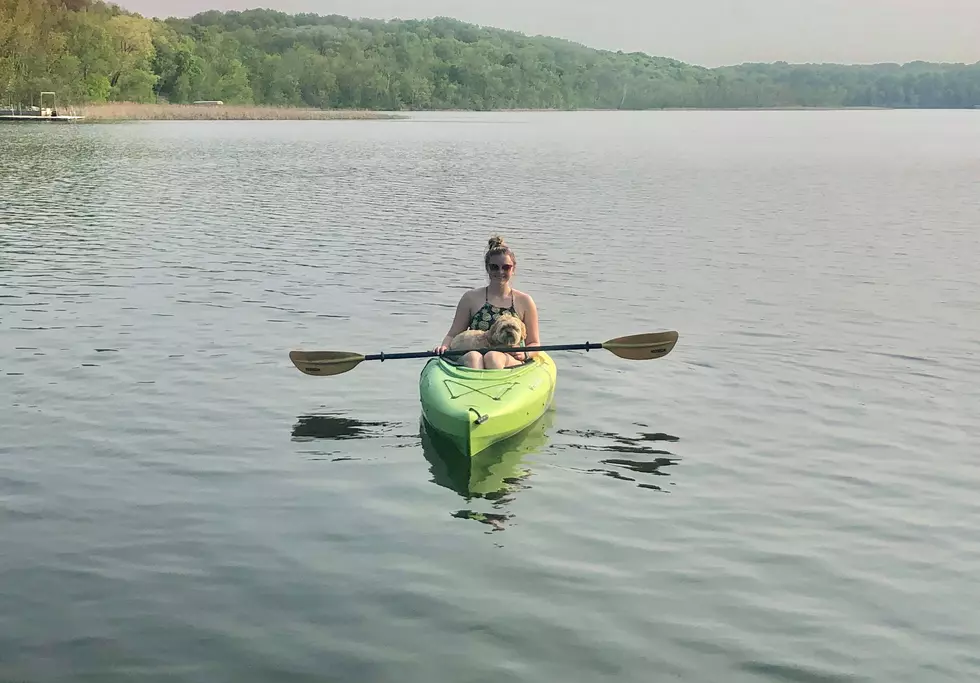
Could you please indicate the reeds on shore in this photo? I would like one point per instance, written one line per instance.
(132, 111)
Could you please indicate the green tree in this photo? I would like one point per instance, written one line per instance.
(91, 50)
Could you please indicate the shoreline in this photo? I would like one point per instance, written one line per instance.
(128, 111)
(658, 109)
(131, 111)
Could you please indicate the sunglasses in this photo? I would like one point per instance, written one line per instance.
(507, 267)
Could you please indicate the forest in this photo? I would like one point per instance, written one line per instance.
(90, 51)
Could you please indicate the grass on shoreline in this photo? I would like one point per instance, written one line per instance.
(131, 111)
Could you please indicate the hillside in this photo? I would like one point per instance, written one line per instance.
(90, 51)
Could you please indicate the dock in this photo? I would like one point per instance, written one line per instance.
(39, 113)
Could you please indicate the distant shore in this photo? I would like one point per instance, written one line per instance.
(783, 108)
(131, 111)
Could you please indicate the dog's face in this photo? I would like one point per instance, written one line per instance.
(507, 331)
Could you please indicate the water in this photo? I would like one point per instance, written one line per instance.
(790, 495)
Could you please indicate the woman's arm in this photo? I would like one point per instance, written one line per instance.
(460, 322)
(531, 324)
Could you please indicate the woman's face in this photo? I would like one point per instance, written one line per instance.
(501, 268)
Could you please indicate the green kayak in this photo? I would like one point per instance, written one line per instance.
(478, 408)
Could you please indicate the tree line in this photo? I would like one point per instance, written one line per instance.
(93, 51)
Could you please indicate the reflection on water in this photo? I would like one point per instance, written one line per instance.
(495, 474)
(335, 427)
(150, 528)
(625, 445)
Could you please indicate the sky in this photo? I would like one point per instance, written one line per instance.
(705, 32)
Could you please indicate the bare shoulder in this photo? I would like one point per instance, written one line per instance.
(524, 300)
(470, 296)
(523, 297)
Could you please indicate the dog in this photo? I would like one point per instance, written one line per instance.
(507, 331)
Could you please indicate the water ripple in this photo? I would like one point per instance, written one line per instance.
(787, 496)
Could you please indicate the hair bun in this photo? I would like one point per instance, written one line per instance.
(496, 242)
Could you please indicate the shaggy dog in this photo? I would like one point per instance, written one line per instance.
(507, 331)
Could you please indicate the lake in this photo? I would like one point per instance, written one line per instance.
(789, 495)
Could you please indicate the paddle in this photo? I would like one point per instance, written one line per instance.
(633, 347)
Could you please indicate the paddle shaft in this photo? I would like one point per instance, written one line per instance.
(632, 347)
(588, 346)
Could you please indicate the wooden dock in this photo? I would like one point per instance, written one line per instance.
(14, 115)
(39, 114)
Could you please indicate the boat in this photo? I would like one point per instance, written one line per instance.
(39, 113)
(478, 408)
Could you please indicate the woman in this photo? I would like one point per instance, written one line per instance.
(479, 308)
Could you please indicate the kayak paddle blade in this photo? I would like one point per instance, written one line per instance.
(325, 363)
(642, 346)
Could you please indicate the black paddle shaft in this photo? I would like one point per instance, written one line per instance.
(587, 346)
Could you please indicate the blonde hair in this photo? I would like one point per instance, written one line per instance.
(496, 247)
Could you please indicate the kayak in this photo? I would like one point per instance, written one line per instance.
(478, 408)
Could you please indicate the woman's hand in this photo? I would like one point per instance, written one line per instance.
(441, 349)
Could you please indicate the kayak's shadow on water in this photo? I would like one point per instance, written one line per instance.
(494, 474)
(334, 428)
